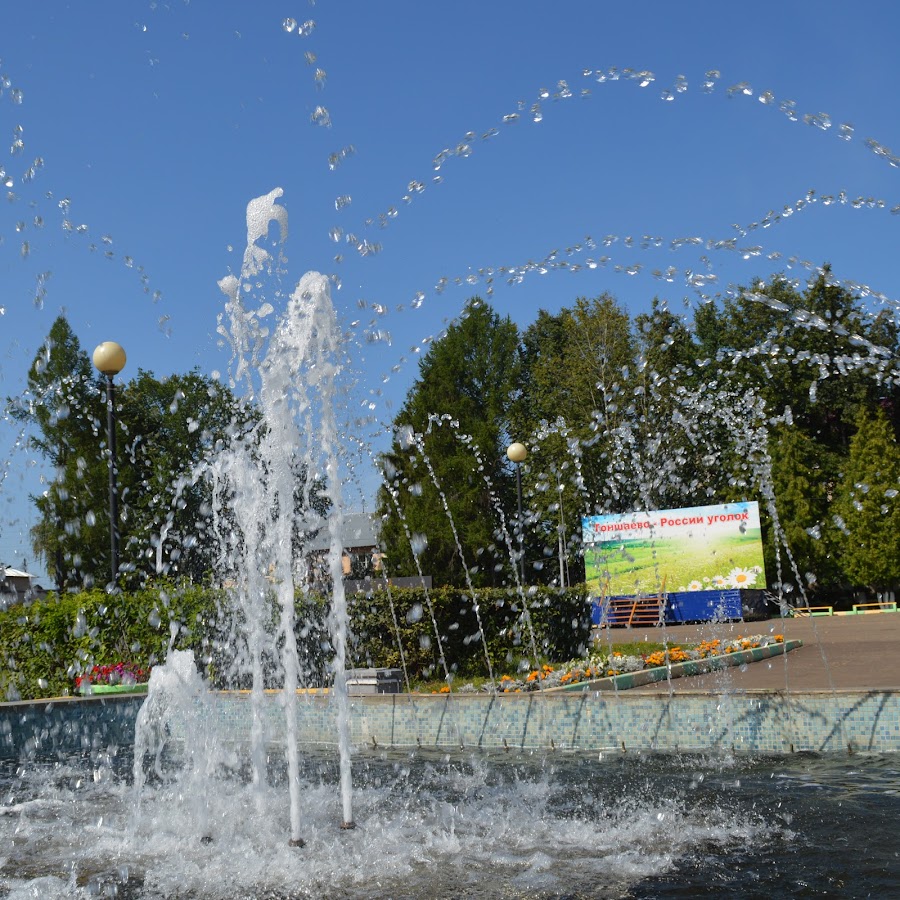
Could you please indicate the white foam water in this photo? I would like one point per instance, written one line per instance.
(428, 825)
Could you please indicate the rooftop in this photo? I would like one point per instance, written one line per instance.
(359, 530)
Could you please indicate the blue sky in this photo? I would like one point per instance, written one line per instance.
(158, 122)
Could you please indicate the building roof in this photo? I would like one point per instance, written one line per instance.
(17, 573)
(359, 531)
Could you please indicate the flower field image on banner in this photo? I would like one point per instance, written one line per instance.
(693, 549)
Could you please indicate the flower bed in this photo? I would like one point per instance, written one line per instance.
(608, 664)
(118, 678)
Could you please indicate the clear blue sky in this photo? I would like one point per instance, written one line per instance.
(159, 121)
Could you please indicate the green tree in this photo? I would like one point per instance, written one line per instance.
(169, 428)
(447, 464)
(166, 427)
(683, 445)
(817, 352)
(666, 346)
(866, 509)
(64, 407)
(578, 372)
(818, 359)
(799, 484)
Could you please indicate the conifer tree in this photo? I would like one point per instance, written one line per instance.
(447, 464)
(867, 513)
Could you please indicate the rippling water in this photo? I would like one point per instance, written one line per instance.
(479, 826)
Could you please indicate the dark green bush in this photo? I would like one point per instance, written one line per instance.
(560, 622)
(46, 644)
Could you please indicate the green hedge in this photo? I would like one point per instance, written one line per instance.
(46, 644)
(560, 622)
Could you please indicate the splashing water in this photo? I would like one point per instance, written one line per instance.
(297, 435)
(429, 825)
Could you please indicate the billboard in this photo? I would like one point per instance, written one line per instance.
(700, 548)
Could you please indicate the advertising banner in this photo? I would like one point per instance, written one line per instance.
(699, 548)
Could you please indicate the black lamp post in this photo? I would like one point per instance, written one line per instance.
(109, 358)
(517, 453)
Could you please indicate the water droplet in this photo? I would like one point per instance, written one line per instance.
(321, 116)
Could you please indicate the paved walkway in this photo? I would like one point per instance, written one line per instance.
(840, 652)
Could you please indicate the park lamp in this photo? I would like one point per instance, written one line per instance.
(518, 453)
(109, 359)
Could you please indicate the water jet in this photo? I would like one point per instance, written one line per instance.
(456, 794)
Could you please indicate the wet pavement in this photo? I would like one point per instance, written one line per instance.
(859, 652)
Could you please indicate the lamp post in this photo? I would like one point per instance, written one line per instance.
(562, 533)
(109, 359)
(517, 453)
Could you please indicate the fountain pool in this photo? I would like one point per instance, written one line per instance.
(586, 819)
(486, 825)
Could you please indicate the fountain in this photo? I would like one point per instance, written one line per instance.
(289, 794)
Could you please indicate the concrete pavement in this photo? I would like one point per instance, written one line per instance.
(838, 653)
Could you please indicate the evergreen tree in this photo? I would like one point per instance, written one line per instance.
(800, 488)
(165, 428)
(866, 510)
(447, 464)
(65, 407)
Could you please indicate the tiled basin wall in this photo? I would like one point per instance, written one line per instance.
(757, 722)
(747, 722)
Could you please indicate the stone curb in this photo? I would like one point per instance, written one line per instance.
(680, 670)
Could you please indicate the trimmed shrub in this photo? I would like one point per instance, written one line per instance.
(46, 644)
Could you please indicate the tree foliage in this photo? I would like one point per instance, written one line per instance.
(767, 394)
(44, 646)
(865, 509)
(165, 428)
(447, 479)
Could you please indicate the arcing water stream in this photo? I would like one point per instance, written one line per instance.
(214, 820)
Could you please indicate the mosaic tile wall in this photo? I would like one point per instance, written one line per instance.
(751, 722)
(58, 728)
